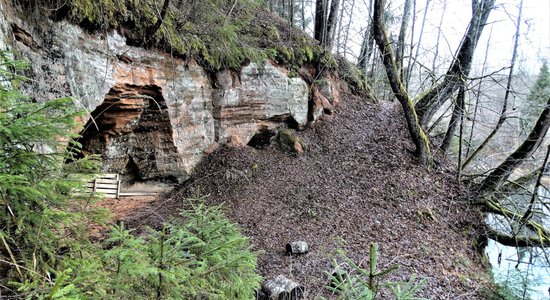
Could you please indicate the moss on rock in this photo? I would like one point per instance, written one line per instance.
(289, 141)
(219, 34)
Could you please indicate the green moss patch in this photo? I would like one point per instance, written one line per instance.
(289, 141)
(219, 34)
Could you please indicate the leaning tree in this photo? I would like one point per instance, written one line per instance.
(418, 112)
(494, 189)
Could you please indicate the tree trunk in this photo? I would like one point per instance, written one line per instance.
(541, 234)
(320, 21)
(291, 15)
(542, 238)
(518, 240)
(303, 11)
(365, 48)
(160, 18)
(367, 45)
(521, 184)
(503, 115)
(346, 36)
(338, 34)
(331, 23)
(436, 54)
(458, 111)
(418, 136)
(431, 101)
(400, 49)
(460, 147)
(410, 64)
(496, 178)
(529, 212)
(478, 95)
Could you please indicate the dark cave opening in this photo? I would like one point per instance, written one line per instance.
(131, 130)
(131, 172)
(262, 139)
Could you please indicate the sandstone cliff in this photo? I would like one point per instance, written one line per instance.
(151, 115)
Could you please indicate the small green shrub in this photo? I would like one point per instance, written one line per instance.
(201, 254)
(43, 212)
(350, 281)
(407, 290)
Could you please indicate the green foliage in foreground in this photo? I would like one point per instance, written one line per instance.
(45, 252)
(35, 224)
(350, 281)
(201, 255)
(198, 256)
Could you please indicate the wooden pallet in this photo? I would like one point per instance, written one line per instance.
(107, 184)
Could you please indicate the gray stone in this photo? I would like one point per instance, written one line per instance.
(264, 98)
(74, 63)
(155, 115)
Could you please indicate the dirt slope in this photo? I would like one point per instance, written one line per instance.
(356, 183)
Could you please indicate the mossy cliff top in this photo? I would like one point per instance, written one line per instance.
(219, 34)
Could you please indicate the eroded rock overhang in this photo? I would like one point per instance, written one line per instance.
(150, 115)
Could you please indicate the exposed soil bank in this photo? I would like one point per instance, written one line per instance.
(356, 183)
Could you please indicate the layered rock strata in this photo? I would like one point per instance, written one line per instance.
(150, 115)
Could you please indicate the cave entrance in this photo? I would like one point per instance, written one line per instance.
(131, 131)
(262, 139)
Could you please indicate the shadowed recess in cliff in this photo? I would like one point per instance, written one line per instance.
(131, 131)
(262, 139)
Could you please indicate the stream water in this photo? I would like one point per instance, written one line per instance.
(524, 270)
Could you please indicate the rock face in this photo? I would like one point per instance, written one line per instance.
(149, 115)
(132, 131)
(261, 98)
(4, 30)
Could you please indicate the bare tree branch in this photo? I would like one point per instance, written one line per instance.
(495, 180)
(517, 241)
(433, 99)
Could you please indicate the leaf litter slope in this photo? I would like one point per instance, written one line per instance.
(355, 184)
